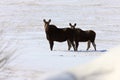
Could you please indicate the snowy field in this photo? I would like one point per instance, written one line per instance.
(23, 40)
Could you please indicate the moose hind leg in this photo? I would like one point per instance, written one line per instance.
(94, 45)
(51, 45)
(88, 45)
(69, 44)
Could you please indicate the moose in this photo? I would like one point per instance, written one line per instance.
(83, 36)
(58, 34)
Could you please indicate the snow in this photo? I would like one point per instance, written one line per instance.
(106, 67)
(23, 42)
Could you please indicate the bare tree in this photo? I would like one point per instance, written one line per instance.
(6, 50)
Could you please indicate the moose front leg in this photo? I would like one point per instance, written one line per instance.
(51, 45)
(76, 45)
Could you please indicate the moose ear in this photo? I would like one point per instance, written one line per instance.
(44, 20)
(75, 24)
(70, 24)
(49, 20)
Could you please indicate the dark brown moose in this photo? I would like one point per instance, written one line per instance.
(58, 34)
(84, 36)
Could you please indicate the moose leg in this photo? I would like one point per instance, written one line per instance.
(88, 46)
(77, 44)
(72, 42)
(69, 44)
(51, 44)
(94, 45)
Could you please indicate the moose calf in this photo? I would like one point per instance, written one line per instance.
(58, 34)
(83, 36)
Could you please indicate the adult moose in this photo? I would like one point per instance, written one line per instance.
(58, 34)
(84, 36)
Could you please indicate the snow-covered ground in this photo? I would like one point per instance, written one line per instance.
(107, 67)
(24, 42)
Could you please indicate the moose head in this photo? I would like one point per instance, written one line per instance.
(72, 26)
(46, 23)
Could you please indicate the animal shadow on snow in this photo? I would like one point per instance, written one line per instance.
(92, 51)
(82, 51)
